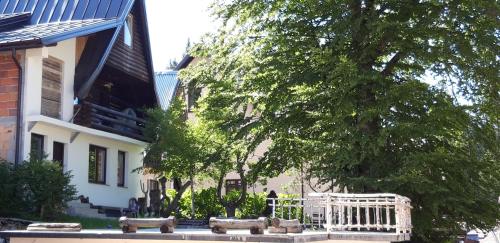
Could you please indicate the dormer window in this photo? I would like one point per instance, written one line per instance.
(128, 34)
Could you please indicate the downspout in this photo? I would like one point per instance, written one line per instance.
(19, 108)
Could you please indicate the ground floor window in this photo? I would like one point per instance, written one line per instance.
(121, 168)
(97, 164)
(153, 185)
(58, 153)
(233, 184)
(36, 150)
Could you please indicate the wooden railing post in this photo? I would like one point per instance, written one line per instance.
(328, 214)
(274, 207)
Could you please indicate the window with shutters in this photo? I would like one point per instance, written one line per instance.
(51, 87)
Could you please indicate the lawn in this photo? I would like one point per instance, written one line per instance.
(87, 223)
(90, 223)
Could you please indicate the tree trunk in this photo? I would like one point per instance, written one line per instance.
(230, 211)
(231, 206)
(174, 204)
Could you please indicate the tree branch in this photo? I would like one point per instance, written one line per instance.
(391, 64)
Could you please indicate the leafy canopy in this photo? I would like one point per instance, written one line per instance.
(342, 86)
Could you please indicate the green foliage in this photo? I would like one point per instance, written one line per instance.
(206, 204)
(341, 88)
(180, 149)
(8, 199)
(253, 207)
(46, 189)
(35, 186)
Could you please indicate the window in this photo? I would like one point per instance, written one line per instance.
(121, 169)
(233, 184)
(51, 87)
(58, 153)
(153, 185)
(128, 34)
(36, 150)
(97, 164)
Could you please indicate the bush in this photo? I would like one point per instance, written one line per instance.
(45, 187)
(34, 187)
(8, 203)
(206, 204)
(253, 207)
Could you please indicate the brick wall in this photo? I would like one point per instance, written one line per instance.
(9, 79)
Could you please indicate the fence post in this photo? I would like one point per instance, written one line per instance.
(328, 214)
(274, 208)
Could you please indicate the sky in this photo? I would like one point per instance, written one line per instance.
(171, 23)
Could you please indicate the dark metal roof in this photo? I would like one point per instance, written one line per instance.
(50, 11)
(166, 87)
(13, 20)
(49, 21)
(45, 34)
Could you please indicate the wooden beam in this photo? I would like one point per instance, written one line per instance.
(130, 225)
(55, 227)
(220, 226)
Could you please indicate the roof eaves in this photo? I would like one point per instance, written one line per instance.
(34, 43)
(87, 30)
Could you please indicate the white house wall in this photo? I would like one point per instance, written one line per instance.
(64, 51)
(77, 152)
(77, 161)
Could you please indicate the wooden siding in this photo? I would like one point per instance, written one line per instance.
(51, 87)
(131, 60)
(80, 46)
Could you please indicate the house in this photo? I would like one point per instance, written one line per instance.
(75, 78)
(290, 182)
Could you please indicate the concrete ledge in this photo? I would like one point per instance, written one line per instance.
(200, 235)
(368, 236)
(178, 235)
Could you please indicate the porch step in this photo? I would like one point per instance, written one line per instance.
(76, 208)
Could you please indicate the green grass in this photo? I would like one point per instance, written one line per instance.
(89, 223)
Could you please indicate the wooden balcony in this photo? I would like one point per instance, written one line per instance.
(125, 123)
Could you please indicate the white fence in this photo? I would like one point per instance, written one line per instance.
(346, 212)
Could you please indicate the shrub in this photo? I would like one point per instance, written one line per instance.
(8, 200)
(206, 204)
(43, 187)
(253, 207)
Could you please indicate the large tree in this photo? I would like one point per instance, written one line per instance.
(391, 96)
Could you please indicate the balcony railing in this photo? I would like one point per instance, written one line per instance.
(384, 213)
(124, 122)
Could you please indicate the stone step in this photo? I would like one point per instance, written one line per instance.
(76, 208)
